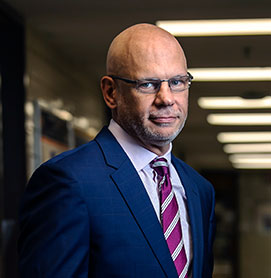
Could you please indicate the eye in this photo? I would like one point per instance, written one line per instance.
(147, 86)
(176, 82)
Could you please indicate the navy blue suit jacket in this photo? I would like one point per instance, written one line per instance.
(85, 213)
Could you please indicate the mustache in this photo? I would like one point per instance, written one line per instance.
(167, 112)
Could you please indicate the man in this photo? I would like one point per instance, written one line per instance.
(122, 205)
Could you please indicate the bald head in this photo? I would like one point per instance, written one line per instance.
(142, 45)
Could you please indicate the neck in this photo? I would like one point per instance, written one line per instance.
(159, 150)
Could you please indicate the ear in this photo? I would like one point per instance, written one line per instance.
(108, 87)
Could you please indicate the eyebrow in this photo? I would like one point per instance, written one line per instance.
(157, 78)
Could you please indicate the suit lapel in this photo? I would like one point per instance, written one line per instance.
(133, 191)
(195, 216)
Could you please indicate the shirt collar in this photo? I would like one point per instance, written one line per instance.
(139, 156)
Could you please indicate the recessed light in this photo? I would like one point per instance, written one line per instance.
(251, 165)
(231, 74)
(250, 136)
(234, 103)
(247, 148)
(240, 119)
(217, 27)
(251, 158)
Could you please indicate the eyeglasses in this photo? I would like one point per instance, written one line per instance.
(176, 84)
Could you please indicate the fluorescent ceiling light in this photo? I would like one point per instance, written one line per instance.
(247, 148)
(235, 137)
(231, 74)
(251, 158)
(240, 119)
(219, 27)
(234, 103)
(251, 165)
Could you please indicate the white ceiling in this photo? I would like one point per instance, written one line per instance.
(83, 29)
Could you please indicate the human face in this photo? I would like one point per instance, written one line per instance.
(153, 119)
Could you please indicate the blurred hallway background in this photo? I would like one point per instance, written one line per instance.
(52, 56)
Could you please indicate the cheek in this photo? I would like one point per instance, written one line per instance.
(129, 108)
(141, 104)
(182, 102)
(144, 106)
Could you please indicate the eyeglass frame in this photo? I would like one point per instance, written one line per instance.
(189, 75)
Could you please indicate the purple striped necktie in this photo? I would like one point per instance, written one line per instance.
(170, 217)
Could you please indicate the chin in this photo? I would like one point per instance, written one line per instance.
(167, 131)
(161, 143)
(165, 135)
(160, 139)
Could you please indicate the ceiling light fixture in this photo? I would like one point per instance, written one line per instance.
(234, 103)
(240, 119)
(251, 161)
(217, 27)
(250, 136)
(247, 148)
(231, 74)
(252, 165)
(251, 158)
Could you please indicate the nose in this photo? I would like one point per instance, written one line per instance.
(164, 97)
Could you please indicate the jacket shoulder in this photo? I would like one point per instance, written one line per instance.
(77, 154)
(193, 174)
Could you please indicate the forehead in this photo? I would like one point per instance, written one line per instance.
(155, 57)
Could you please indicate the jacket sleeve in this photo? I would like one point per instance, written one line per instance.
(54, 223)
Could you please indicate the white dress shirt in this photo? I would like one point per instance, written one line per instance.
(141, 158)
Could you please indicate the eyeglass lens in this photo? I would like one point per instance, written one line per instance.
(176, 84)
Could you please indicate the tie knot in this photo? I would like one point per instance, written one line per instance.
(160, 165)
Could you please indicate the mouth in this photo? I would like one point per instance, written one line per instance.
(163, 119)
